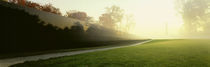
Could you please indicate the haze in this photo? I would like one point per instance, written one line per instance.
(151, 16)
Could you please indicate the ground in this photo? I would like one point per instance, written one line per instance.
(158, 53)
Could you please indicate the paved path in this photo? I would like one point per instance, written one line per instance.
(11, 61)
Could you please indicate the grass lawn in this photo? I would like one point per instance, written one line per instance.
(158, 53)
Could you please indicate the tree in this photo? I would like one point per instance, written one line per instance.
(112, 16)
(46, 7)
(33, 5)
(107, 21)
(77, 31)
(195, 14)
(77, 28)
(51, 9)
(129, 23)
(77, 15)
(21, 2)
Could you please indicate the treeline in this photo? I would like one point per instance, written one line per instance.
(23, 32)
(47, 7)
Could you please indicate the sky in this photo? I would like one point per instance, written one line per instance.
(151, 16)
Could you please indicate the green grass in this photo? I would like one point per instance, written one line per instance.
(158, 53)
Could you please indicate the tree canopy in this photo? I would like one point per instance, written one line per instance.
(195, 14)
(77, 15)
(112, 16)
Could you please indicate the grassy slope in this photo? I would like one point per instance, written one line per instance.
(159, 53)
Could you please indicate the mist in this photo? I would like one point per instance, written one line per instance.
(195, 15)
